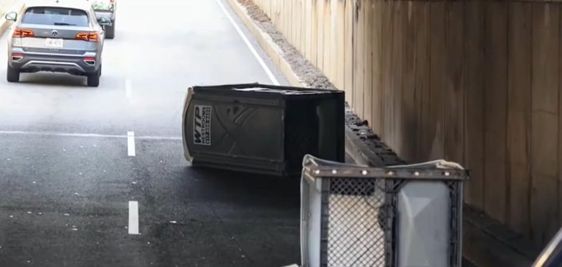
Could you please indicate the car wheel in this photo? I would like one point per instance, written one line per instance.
(12, 75)
(94, 78)
(110, 31)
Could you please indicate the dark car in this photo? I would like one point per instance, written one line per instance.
(105, 13)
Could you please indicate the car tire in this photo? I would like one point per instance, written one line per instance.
(110, 31)
(12, 75)
(94, 78)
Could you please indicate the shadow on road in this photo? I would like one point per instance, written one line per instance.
(255, 186)
(55, 80)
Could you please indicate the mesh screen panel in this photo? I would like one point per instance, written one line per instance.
(358, 223)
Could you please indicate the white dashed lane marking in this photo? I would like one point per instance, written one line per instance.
(133, 218)
(131, 144)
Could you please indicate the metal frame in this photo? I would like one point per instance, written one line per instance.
(315, 168)
(321, 174)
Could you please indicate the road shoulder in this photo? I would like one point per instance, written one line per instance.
(363, 145)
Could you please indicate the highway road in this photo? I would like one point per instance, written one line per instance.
(97, 177)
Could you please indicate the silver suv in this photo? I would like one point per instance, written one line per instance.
(56, 36)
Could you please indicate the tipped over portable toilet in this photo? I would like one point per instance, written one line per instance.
(262, 128)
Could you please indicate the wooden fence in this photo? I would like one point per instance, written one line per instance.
(477, 82)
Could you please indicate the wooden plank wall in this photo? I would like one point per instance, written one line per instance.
(477, 82)
(323, 31)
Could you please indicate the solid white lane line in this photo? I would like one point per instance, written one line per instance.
(156, 138)
(131, 144)
(60, 134)
(55, 134)
(128, 89)
(133, 218)
(249, 44)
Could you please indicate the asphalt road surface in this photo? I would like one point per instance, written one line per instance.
(70, 183)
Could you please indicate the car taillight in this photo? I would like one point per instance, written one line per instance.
(22, 33)
(90, 60)
(17, 56)
(87, 36)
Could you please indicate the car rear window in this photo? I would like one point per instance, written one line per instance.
(55, 16)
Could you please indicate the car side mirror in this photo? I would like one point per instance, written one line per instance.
(11, 16)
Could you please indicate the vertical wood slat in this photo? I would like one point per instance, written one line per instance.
(294, 23)
(337, 49)
(331, 53)
(545, 95)
(407, 119)
(354, 25)
(358, 87)
(454, 90)
(377, 116)
(433, 100)
(560, 119)
(386, 66)
(314, 33)
(340, 47)
(399, 75)
(495, 87)
(474, 101)
(519, 116)
(320, 33)
(390, 68)
(290, 22)
(348, 51)
(287, 22)
(421, 22)
(368, 63)
(328, 42)
(307, 51)
(301, 25)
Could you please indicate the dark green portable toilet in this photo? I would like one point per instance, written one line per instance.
(262, 128)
